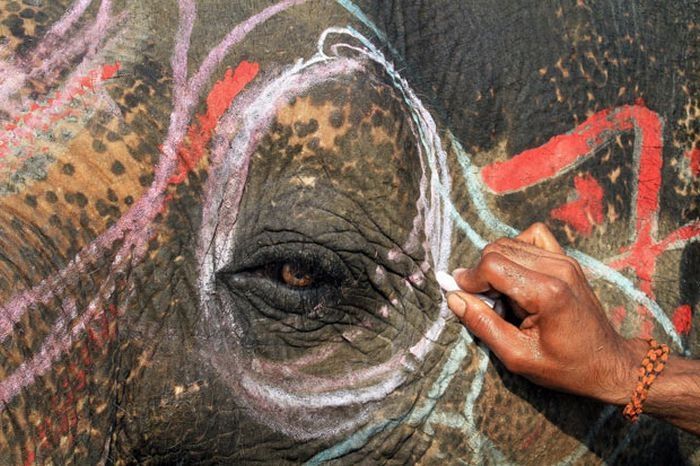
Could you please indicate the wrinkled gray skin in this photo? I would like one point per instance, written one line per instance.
(295, 330)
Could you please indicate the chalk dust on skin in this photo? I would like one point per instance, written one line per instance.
(23, 23)
(90, 148)
(336, 140)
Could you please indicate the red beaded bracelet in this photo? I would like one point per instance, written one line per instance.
(652, 365)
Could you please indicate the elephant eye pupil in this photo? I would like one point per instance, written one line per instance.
(295, 276)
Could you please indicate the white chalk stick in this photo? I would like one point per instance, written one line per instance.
(448, 283)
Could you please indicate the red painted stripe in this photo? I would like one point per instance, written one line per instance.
(536, 165)
(561, 152)
(585, 211)
(683, 319)
(201, 131)
(693, 157)
(108, 71)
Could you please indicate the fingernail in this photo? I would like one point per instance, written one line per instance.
(457, 304)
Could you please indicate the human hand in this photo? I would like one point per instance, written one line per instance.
(564, 340)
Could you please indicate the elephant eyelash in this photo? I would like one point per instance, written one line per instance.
(321, 264)
(294, 274)
(267, 273)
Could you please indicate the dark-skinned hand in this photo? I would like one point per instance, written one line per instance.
(564, 340)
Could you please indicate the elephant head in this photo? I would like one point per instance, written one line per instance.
(220, 235)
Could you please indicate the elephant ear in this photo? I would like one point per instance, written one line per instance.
(600, 187)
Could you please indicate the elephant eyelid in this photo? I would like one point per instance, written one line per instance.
(295, 266)
(293, 274)
(317, 286)
(309, 255)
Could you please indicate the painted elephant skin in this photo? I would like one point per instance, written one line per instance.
(220, 223)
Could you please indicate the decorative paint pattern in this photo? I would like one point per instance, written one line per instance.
(587, 210)
(134, 227)
(40, 129)
(267, 394)
(563, 153)
(232, 127)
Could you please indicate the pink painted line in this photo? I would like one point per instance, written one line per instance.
(237, 34)
(281, 374)
(13, 76)
(48, 45)
(232, 165)
(54, 50)
(69, 18)
(11, 312)
(133, 227)
(99, 28)
(85, 41)
(134, 221)
(182, 42)
(58, 342)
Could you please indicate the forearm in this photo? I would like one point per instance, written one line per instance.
(675, 394)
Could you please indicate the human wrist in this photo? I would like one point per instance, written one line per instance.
(673, 396)
(623, 373)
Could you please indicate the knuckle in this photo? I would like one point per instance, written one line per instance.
(528, 300)
(557, 289)
(490, 261)
(540, 227)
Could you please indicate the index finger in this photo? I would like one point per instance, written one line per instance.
(495, 271)
(539, 235)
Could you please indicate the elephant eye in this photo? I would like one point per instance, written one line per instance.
(298, 271)
(296, 276)
(293, 278)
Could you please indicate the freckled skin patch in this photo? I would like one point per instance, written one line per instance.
(343, 140)
(357, 165)
(68, 201)
(135, 380)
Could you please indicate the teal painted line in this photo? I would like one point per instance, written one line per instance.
(625, 284)
(476, 193)
(353, 443)
(474, 437)
(463, 225)
(359, 439)
(475, 189)
(364, 19)
(439, 387)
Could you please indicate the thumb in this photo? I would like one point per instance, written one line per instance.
(502, 337)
